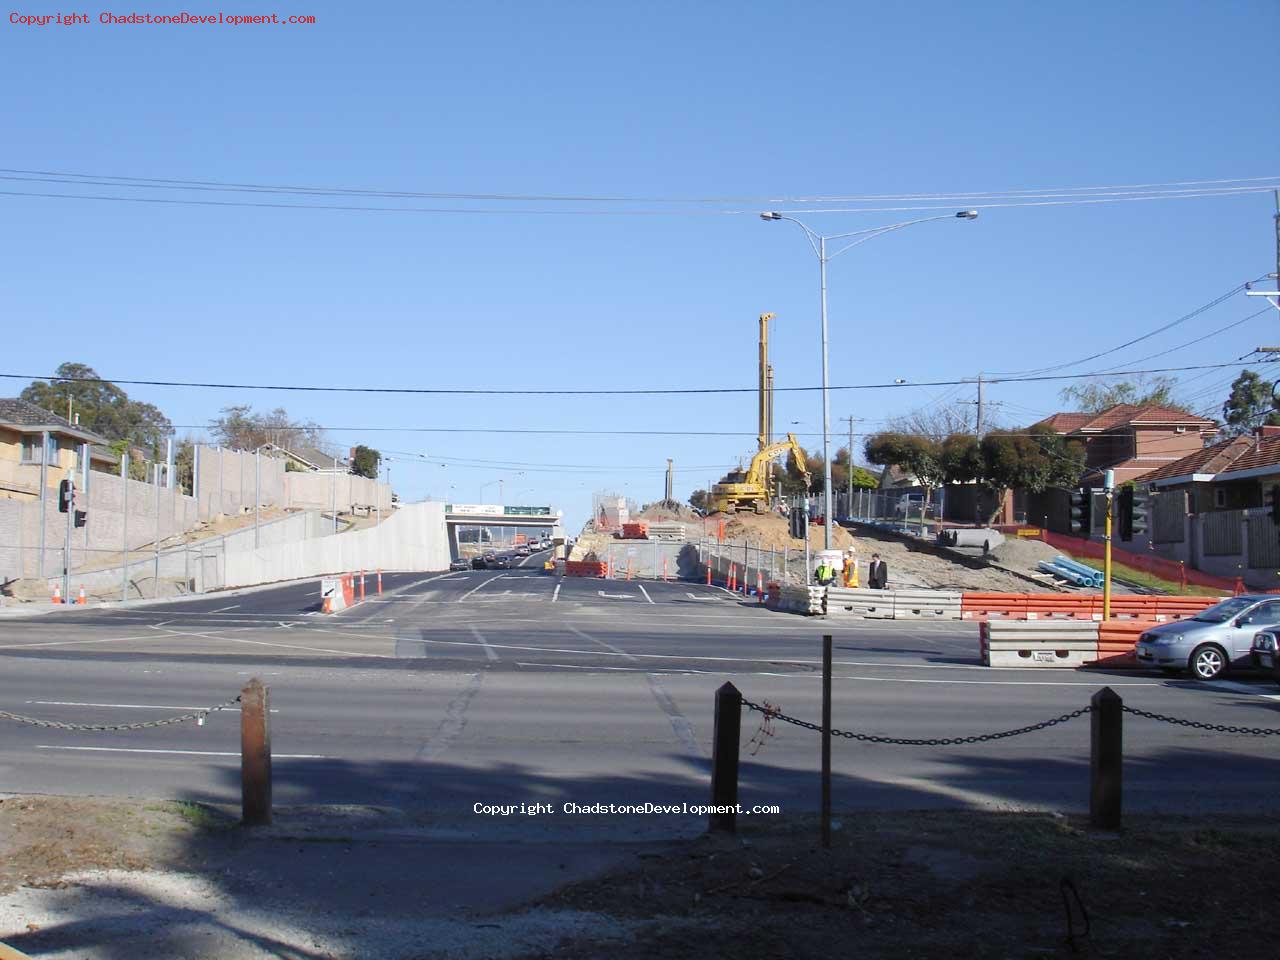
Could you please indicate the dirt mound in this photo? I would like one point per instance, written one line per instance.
(772, 532)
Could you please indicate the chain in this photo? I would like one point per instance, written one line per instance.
(197, 716)
(1196, 724)
(910, 742)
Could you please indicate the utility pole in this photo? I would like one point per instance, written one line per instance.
(668, 496)
(980, 398)
(848, 510)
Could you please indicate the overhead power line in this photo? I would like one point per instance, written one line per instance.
(645, 391)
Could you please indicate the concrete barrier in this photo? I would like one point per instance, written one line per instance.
(809, 601)
(848, 602)
(1036, 643)
(926, 605)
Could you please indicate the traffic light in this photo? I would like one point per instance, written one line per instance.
(1141, 520)
(81, 518)
(799, 520)
(1080, 503)
(1125, 504)
(66, 495)
(1273, 503)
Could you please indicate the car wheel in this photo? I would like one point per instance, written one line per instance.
(1208, 662)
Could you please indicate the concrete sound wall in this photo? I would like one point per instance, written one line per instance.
(413, 538)
(318, 491)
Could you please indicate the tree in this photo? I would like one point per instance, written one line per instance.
(698, 500)
(1098, 395)
(936, 422)
(1033, 460)
(364, 462)
(241, 428)
(1250, 404)
(102, 407)
(917, 455)
(962, 458)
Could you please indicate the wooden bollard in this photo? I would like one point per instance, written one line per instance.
(826, 741)
(1106, 759)
(255, 755)
(724, 757)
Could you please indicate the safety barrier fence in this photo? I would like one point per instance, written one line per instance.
(1106, 711)
(348, 589)
(255, 742)
(1175, 571)
(1086, 606)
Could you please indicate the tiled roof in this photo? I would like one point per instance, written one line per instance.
(16, 412)
(317, 458)
(1131, 468)
(1065, 422)
(1226, 456)
(1123, 414)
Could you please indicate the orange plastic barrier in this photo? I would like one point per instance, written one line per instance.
(584, 568)
(635, 531)
(1116, 639)
(1079, 606)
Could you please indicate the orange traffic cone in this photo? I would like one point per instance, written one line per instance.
(379, 582)
(57, 593)
(80, 599)
(759, 587)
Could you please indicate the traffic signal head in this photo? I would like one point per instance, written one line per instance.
(1141, 520)
(1126, 513)
(1081, 500)
(81, 518)
(1275, 504)
(66, 495)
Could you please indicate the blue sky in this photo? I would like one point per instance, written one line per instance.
(737, 101)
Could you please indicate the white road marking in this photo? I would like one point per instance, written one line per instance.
(1236, 687)
(555, 593)
(616, 596)
(645, 592)
(488, 650)
(282, 646)
(189, 753)
(482, 583)
(607, 646)
(234, 606)
(63, 643)
(125, 706)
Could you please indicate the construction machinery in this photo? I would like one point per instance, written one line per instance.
(747, 489)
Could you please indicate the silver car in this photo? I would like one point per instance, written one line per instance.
(1211, 641)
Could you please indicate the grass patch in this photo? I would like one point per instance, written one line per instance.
(1150, 581)
(200, 816)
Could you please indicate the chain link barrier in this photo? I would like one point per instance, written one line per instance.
(197, 716)
(775, 713)
(771, 712)
(1197, 725)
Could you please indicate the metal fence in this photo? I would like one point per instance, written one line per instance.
(1223, 536)
(1169, 515)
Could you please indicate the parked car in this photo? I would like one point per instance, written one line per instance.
(1213, 641)
(1265, 654)
(478, 563)
(462, 563)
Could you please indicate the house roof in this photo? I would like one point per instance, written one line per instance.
(26, 417)
(1250, 452)
(1120, 415)
(1130, 469)
(316, 458)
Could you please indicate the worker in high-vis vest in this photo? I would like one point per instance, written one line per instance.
(851, 570)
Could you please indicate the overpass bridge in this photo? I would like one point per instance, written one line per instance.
(477, 522)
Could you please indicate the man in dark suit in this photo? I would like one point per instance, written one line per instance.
(877, 574)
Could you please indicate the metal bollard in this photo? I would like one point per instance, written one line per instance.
(255, 755)
(724, 757)
(1106, 759)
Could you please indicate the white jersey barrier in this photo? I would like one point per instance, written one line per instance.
(1038, 643)
(800, 599)
(908, 604)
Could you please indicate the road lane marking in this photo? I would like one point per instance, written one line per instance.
(126, 706)
(645, 592)
(555, 593)
(189, 753)
(607, 646)
(453, 722)
(1235, 686)
(482, 583)
(282, 646)
(680, 724)
(233, 606)
(488, 650)
(63, 643)
(616, 596)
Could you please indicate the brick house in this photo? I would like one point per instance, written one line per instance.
(30, 434)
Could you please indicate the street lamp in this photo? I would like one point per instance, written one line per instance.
(819, 244)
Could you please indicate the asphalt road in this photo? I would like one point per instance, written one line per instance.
(512, 686)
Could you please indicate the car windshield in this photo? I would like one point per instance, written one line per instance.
(1224, 611)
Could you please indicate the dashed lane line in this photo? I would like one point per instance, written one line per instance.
(645, 592)
(488, 650)
(481, 584)
(601, 643)
(234, 606)
(555, 594)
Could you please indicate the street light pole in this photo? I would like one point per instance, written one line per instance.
(819, 244)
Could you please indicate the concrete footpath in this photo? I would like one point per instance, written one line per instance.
(169, 880)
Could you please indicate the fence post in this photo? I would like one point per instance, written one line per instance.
(255, 755)
(724, 757)
(1106, 759)
(826, 741)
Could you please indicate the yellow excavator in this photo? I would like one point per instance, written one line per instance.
(749, 489)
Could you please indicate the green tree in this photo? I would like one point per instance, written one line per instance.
(698, 500)
(1097, 395)
(364, 462)
(102, 407)
(1249, 405)
(1033, 460)
(919, 456)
